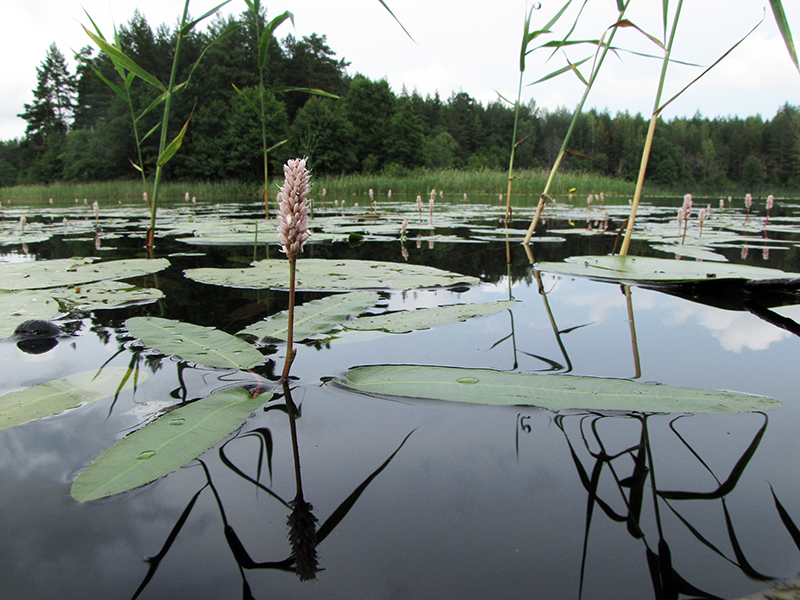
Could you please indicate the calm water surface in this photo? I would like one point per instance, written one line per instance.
(415, 498)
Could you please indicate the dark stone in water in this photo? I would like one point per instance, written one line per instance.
(37, 329)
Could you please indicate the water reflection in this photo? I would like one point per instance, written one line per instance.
(303, 533)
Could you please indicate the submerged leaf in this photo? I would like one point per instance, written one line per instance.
(317, 316)
(194, 343)
(333, 275)
(54, 397)
(406, 321)
(554, 392)
(165, 444)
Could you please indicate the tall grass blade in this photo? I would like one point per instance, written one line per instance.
(266, 36)
(173, 146)
(121, 59)
(386, 6)
(783, 26)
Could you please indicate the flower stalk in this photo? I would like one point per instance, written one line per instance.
(293, 234)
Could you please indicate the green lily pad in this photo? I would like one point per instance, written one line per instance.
(73, 271)
(8, 239)
(406, 321)
(105, 294)
(54, 397)
(165, 445)
(647, 270)
(697, 252)
(193, 343)
(331, 275)
(554, 392)
(22, 306)
(315, 317)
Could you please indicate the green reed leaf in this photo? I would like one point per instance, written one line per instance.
(193, 343)
(247, 100)
(315, 91)
(166, 444)
(187, 28)
(122, 60)
(54, 397)
(173, 146)
(554, 392)
(783, 27)
(386, 6)
(266, 35)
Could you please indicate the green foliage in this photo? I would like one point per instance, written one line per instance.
(315, 317)
(333, 275)
(54, 397)
(371, 129)
(193, 343)
(647, 270)
(68, 271)
(406, 321)
(165, 445)
(554, 392)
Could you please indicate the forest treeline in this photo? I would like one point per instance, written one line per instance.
(79, 129)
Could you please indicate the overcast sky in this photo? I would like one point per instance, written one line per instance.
(464, 45)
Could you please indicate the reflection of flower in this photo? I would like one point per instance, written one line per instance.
(303, 539)
(292, 202)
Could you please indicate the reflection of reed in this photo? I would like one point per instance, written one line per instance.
(626, 289)
(302, 523)
(304, 536)
(637, 456)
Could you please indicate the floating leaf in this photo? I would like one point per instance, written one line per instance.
(193, 343)
(105, 294)
(406, 321)
(317, 316)
(7, 239)
(73, 271)
(691, 252)
(647, 270)
(166, 444)
(54, 397)
(22, 306)
(554, 392)
(333, 275)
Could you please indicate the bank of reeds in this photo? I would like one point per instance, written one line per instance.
(453, 181)
(129, 191)
(528, 185)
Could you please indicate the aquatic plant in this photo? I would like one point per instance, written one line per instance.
(603, 47)
(293, 234)
(125, 64)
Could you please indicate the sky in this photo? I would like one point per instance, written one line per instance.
(468, 46)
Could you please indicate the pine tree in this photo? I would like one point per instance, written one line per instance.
(53, 103)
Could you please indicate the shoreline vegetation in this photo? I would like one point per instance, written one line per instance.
(527, 186)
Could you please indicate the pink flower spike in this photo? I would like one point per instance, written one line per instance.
(293, 207)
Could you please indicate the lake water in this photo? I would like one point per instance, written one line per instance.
(418, 498)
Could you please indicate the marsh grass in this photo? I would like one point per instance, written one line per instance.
(126, 191)
(454, 181)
